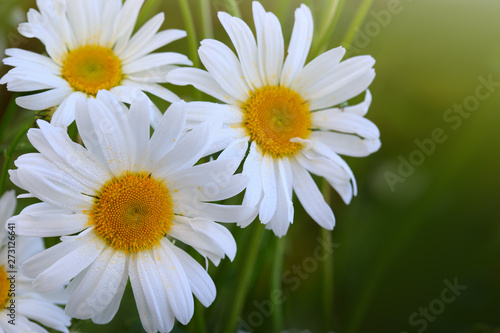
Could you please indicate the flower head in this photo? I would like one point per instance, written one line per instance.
(128, 196)
(285, 110)
(90, 47)
(26, 304)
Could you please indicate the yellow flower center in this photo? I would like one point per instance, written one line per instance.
(132, 212)
(91, 68)
(4, 287)
(273, 116)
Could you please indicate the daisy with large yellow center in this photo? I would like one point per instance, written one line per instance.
(91, 45)
(133, 212)
(284, 109)
(121, 202)
(91, 68)
(273, 116)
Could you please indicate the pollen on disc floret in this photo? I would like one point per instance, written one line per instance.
(91, 68)
(132, 212)
(273, 116)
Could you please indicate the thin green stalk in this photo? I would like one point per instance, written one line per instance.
(199, 314)
(233, 8)
(7, 117)
(191, 38)
(146, 10)
(328, 22)
(206, 19)
(356, 22)
(328, 268)
(279, 255)
(9, 154)
(244, 278)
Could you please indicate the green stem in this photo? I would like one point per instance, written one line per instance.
(356, 22)
(146, 10)
(328, 22)
(276, 280)
(206, 19)
(328, 280)
(9, 154)
(199, 314)
(191, 37)
(244, 278)
(7, 117)
(328, 270)
(233, 8)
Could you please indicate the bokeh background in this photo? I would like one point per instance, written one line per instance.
(422, 220)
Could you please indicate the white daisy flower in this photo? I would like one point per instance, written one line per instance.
(19, 303)
(285, 110)
(132, 195)
(90, 47)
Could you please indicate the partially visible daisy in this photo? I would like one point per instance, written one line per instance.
(90, 47)
(285, 110)
(19, 303)
(128, 196)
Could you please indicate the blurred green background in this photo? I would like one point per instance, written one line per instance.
(408, 233)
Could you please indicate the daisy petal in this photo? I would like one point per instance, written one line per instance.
(311, 198)
(283, 217)
(200, 282)
(317, 68)
(154, 89)
(139, 124)
(362, 108)
(330, 170)
(44, 100)
(245, 45)
(65, 112)
(111, 131)
(45, 313)
(110, 311)
(251, 168)
(125, 24)
(99, 286)
(300, 43)
(210, 239)
(22, 58)
(182, 154)
(60, 263)
(160, 39)
(141, 38)
(336, 120)
(345, 144)
(154, 286)
(56, 188)
(152, 62)
(343, 93)
(55, 144)
(146, 314)
(49, 225)
(175, 281)
(7, 205)
(269, 202)
(271, 49)
(168, 131)
(201, 80)
(225, 68)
